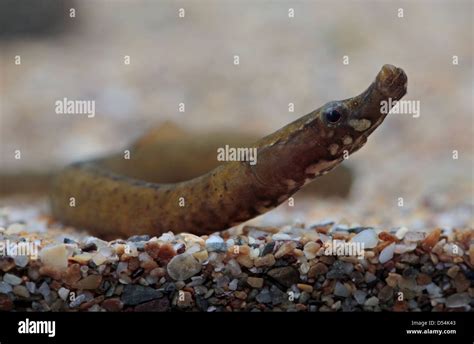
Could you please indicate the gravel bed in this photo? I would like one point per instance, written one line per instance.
(317, 268)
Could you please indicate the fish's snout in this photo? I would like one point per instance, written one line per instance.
(392, 82)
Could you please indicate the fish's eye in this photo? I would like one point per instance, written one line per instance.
(333, 116)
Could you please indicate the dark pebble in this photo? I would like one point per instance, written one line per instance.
(385, 294)
(6, 304)
(281, 262)
(135, 294)
(428, 269)
(337, 270)
(357, 277)
(169, 287)
(7, 263)
(410, 272)
(69, 241)
(137, 273)
(104, 286)
(470, 275)
(304, 297)
(253, 293)
(112, 305)
(268, 249)
(277, 295)
(322, 224)
(286, 276)
(347, 305)
(89, 247)
(264, 296)
(357, 230)
(202, 303)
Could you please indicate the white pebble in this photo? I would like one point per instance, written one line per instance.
(387, 253)
(414, 236)
(16, 228)
(21, 261)
(215, 243)
(311, 249)
(96, 241)
(166, 237)
(55, 256)
(99, 259)
(400, 234)
(193, 249)
(367, 237)
(402, 248)
(63, 293)
(281, 236)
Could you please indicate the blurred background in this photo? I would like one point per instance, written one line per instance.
(282, 60)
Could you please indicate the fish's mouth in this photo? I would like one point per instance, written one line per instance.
(391, 82)
(390, 86)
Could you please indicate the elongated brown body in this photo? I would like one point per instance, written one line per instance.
(99, 198)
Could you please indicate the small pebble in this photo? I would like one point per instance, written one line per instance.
(267, 260)
(433, 290)
(317, 269)
(44, 289)
(255, 282)
(90, 282)
(55, 256)
(11, 279)
(5, 288)
(453, 271)
(15, 228)
(183, 266)
(369, 277)
(31, 286)
(341, 290)
(305, 287)
(63, 293)
(234, 267)
(385, 294)
(286, 249)
(136, 294)
(21, 261)
(286, 276)
(458, 300)
(264, 296)
(423, 279)
(311, 249)
(367, 237)
(401, 232)
(387, 253)
(216, 243)
(372, 301)
(77, 301)
(21, 291)
(360, 296)
(233, 284)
